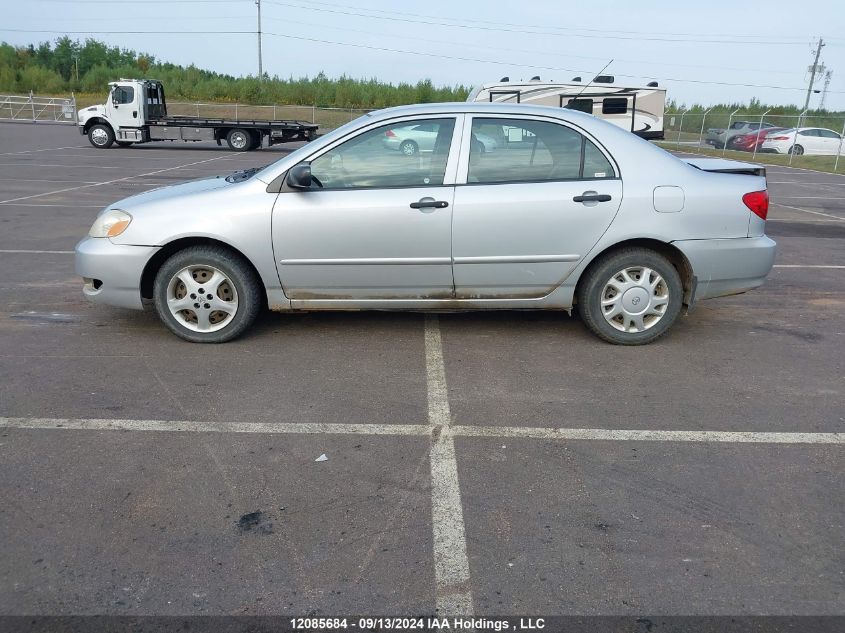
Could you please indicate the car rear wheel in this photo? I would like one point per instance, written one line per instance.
(239, 140)
(207, 294)
(101, 136)
(409, 148)
(797, 150)
(631, 296)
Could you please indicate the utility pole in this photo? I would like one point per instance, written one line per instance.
(813, 70)
(827, 77)
(260, 69)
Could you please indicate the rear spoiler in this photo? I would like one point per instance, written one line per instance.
(723, 166)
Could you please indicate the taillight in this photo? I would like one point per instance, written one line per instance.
(758, 202)
(390, 134)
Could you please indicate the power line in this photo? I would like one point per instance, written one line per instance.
(522, 50)
(514, 30)
(547, 26)
(533, 66)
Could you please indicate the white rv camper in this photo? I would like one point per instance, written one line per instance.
(638, 109)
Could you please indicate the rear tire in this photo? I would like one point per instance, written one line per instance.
(207, 294)
(797, 150)
(409, 148)
(101, 136)
(630, 297)
(239, 140)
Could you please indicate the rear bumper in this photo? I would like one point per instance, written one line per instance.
(112, 272)
(728, 266)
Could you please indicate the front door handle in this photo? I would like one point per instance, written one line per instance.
(592, 197)
(429, 203)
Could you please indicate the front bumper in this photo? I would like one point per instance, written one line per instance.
(112, 272)
(728, 266)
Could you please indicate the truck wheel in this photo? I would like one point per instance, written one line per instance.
(207, 294)
(101, 136)
(630, 297)
(239, 140)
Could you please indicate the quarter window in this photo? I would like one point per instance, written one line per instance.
(404, 154)
(517, 150)
(614, 105)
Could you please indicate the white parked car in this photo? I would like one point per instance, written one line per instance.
(412, 139)
(814, 141)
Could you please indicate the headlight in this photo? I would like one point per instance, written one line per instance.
(110, 224)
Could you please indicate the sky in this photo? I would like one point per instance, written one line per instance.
(703, 52)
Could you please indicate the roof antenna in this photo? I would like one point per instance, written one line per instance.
(587, 85)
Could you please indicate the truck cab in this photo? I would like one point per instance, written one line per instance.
(131, 105)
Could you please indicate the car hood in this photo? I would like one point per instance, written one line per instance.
(170, 192)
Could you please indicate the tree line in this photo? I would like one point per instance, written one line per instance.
(86, 67)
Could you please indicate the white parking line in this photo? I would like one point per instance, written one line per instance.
(827, 215)
(806, 266)
(739, 437)
(451, 564)
(109, 182)
(529, 432)
(46, 149)
(26, 252)
(270, 428)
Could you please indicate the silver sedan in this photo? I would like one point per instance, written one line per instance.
(570, 212)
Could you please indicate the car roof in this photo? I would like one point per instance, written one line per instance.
(462, 107)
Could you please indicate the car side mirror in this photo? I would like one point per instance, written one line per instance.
(299, 176)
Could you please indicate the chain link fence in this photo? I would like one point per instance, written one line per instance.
(34, 109)
(803, 140)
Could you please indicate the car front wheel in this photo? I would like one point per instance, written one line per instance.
(207, 294)
(631, 296)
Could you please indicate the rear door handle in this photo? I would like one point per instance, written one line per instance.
(592, 197)
(429, 203)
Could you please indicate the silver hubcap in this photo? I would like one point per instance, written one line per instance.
(408, 149)
(634, 299)
(99, 136)
(239, 140)
(202, 298)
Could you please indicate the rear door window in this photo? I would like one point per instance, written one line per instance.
(533, 151)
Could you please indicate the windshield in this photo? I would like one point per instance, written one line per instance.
(299, 154)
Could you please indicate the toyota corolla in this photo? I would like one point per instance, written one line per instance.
(569, 213)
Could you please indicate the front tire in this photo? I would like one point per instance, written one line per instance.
(630, 297)
(207, 294)
(101, 136)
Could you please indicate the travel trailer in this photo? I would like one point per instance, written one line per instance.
(635, 108)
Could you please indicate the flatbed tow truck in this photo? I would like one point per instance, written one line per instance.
(136, 112)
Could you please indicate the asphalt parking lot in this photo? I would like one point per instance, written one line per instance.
(501, 463)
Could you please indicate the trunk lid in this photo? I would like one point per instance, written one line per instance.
(724, 166)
